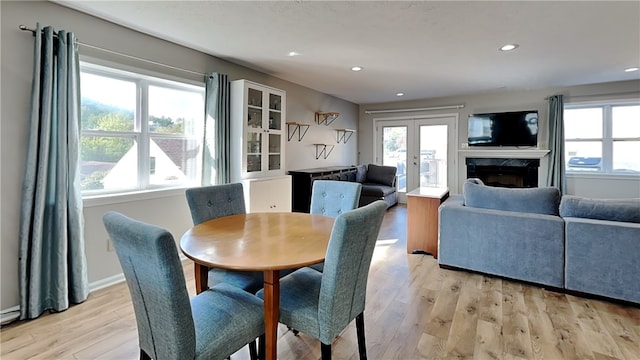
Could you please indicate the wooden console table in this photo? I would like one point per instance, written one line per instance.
(422, 219)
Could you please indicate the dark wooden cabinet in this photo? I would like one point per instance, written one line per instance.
(302, 182)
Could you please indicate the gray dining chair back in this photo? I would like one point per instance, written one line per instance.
(213, 325)
(321, 305)
(212, 202)
(332, 198)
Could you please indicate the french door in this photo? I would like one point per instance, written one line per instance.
(423, 150)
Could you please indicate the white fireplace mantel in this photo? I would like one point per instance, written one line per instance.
(507, 154)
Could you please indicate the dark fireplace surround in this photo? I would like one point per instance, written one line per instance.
(513, 173)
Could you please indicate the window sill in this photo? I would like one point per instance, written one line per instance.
(107, 199)
(602, 176)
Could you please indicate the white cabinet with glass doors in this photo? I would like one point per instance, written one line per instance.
(257, 137)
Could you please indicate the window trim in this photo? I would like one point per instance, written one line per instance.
(143, 80)
(607, 139)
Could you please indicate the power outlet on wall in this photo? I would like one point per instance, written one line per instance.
(109, 245)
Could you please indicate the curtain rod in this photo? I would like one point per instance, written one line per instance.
(415, 109)
(33, 31)
(598, 95)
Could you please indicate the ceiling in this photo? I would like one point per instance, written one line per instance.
(424, 49)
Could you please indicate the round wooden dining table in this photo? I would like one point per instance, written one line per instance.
(267, 242)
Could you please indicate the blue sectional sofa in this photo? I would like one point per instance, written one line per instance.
(536, 235)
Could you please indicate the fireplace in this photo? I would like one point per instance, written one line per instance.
(513, 173)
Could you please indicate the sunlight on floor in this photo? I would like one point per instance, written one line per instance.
(382, 247)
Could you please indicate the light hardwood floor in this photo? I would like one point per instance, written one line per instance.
(415, 310)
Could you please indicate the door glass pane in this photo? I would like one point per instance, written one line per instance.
(108, 163)
(626, 121)
(433, 155)
(625, 156)
(394, 152)
(583, 123)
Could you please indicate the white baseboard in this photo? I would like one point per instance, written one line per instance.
(12, 313)
(9, 315)
(101, 284)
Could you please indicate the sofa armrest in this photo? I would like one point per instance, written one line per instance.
(523, 246)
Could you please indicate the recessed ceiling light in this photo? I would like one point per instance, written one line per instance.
(509, 47)
(357, 68)
(293, 53)
(631, 69)
(400, 94)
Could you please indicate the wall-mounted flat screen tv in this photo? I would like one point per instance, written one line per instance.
(515, 128)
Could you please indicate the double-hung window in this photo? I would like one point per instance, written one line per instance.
(138, 132)
(602, 138)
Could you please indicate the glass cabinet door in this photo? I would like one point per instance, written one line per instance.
(254, 151)
(254, 130)
(275, 129)
(274, 151)
(258, 124)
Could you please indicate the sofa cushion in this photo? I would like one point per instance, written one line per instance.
(625, 210)
(542, 200)
(377, 190)
(361, 173)
(384, 175)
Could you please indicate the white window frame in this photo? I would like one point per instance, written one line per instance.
(141, 132)
(607, 138)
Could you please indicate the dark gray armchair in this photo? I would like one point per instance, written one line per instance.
(378, 183)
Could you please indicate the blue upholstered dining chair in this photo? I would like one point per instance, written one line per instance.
(211, 202)
(213, 325)
(332, 198)
(321, 305)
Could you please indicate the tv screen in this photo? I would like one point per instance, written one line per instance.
(516, 128)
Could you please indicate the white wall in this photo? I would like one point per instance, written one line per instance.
(600, 187)
(170, 210)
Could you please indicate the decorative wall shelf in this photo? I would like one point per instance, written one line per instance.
(326, 117)
(343, 135)
(321, 150)
(297, 128)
